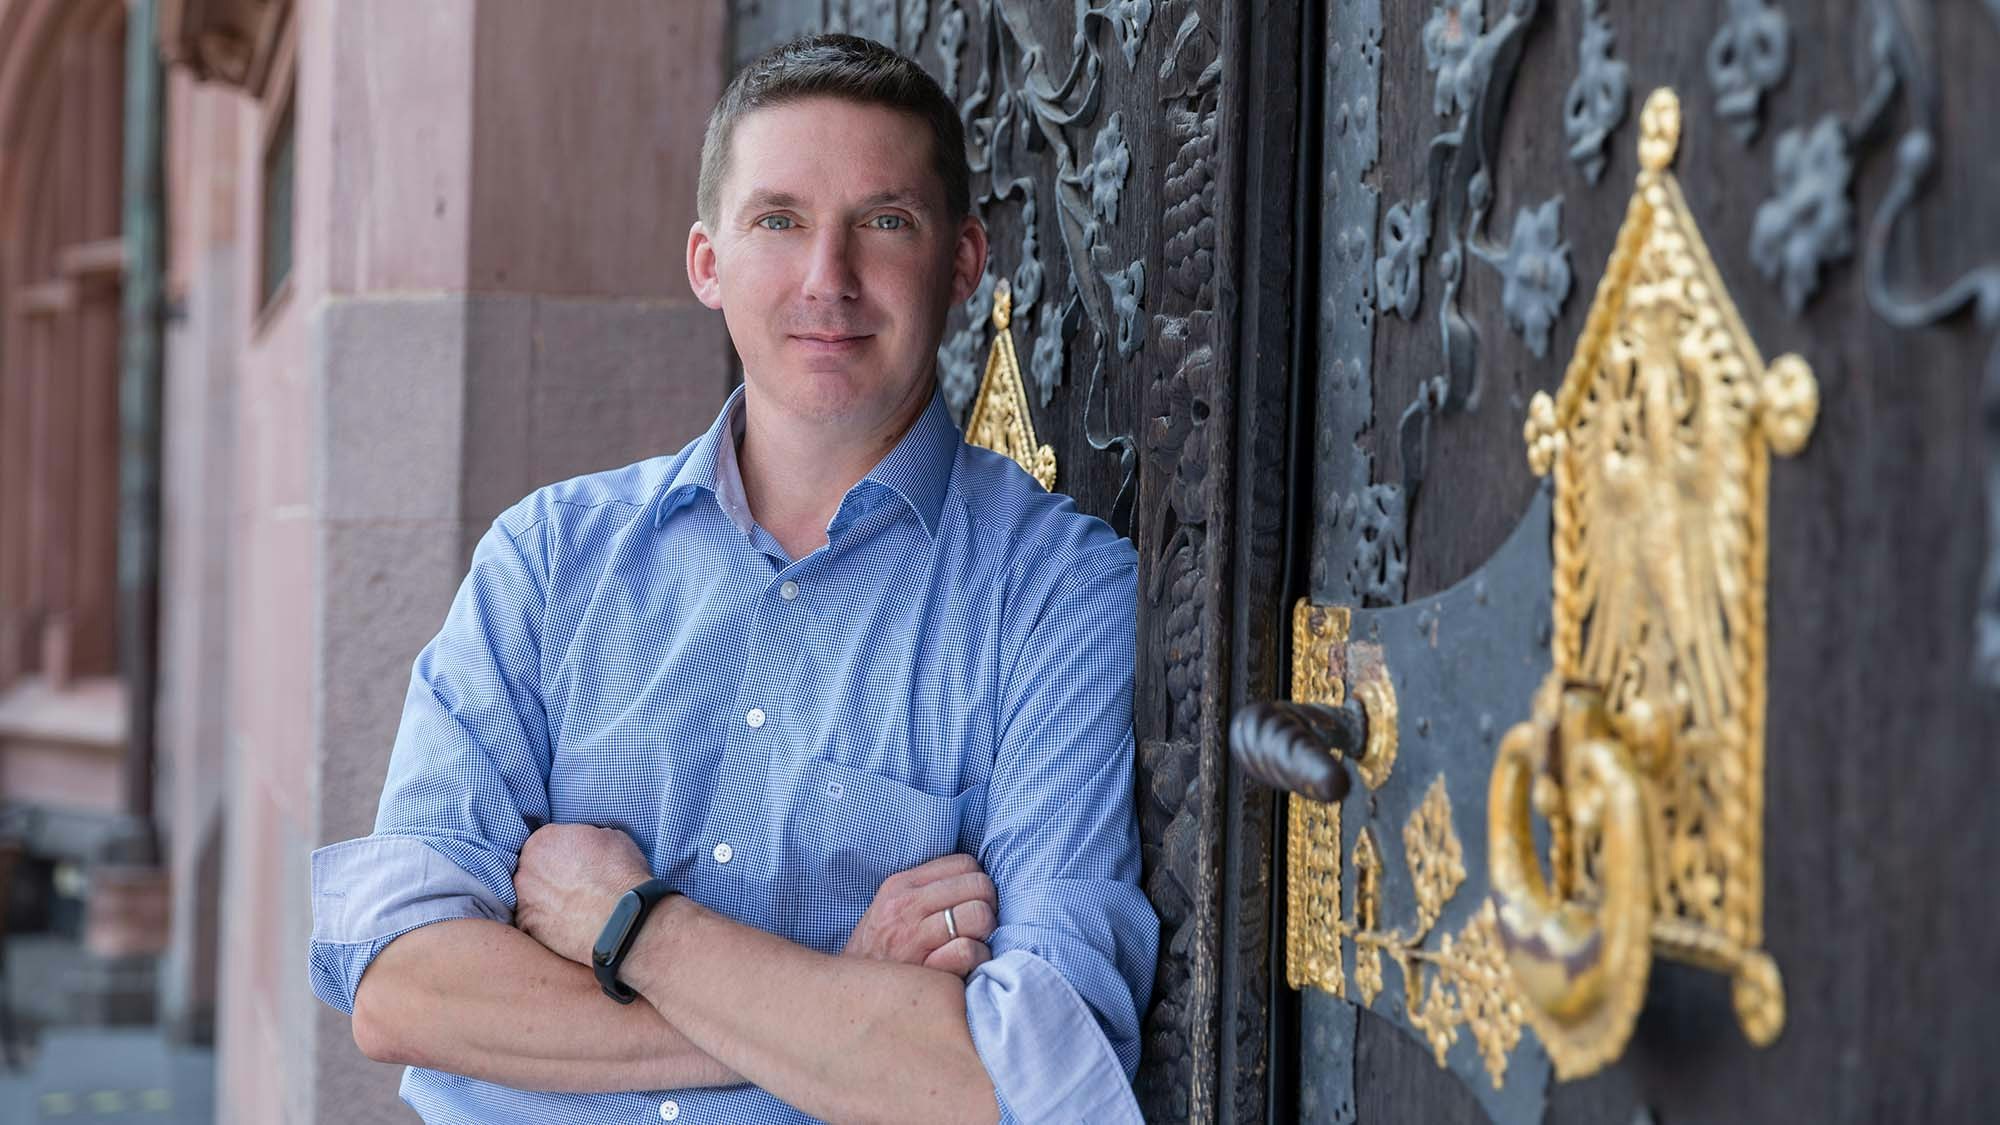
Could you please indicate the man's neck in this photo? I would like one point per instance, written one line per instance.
(795, 473)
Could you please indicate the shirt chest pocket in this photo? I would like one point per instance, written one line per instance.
(858, 828)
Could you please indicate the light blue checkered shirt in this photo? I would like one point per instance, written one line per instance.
(951, 672)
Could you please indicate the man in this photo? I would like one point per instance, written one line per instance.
(843, 703)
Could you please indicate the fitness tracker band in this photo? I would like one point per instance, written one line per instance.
(615, 940)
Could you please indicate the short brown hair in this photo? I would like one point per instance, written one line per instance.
(836, 66)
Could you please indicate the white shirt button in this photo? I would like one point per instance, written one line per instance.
(755, 718)
(723, 852)
(669, 1110)
(789, 590)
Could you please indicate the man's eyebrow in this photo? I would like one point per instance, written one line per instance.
(761, 199)
(906, 199)
(764, 197)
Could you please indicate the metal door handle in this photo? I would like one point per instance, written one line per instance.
(1298, 747)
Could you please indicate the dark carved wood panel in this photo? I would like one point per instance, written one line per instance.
(1108, 144)
(1258, 146)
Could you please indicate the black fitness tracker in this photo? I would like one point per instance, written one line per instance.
(615, 940)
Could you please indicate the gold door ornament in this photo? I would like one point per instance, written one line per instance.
(1645, 751)
(999, 420)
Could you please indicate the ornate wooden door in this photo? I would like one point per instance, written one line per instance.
(1619, 470)
(1655, 523)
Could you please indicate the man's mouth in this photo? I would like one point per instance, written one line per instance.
(829, 341)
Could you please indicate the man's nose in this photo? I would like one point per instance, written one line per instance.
(830, 274)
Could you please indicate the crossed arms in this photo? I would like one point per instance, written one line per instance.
(879, 1032)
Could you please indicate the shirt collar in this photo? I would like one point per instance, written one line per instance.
(699, 469)
(918, 469)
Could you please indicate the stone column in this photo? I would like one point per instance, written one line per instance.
(198, 433)
(493, 201)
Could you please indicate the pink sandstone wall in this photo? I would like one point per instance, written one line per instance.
(491, 203)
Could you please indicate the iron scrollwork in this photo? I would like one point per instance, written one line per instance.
(1901, 47)
(1747, 59)
(1475, 67)
(1535, 272)
(1399, 272)
(1020, 106)
(1809, 222)
(1473, 63)
(1597, 97)
(1359, 556)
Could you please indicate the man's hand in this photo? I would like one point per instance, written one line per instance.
(906, 922)
(568, 879)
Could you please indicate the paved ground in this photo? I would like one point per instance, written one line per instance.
(110, 1074)
(68, 1073)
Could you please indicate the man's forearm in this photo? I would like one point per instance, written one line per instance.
(484, 1000)
(840, 1038)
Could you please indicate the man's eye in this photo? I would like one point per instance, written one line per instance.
(889, 222)
(775, 222)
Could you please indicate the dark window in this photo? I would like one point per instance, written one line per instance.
(279, 157)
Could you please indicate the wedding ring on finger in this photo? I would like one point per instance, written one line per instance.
(950, 924)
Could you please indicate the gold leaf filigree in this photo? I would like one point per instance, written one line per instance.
(1666, 415)
(1659, 444)
(1436, 859)
(1438, 1014)
(1367, 914)
(999, 419)
(1486, 994)
(1541, 434)
(1319, 653)
(1790, 404)
(1378, 697)
(1312, 921)
(1313, 925)
(1467, 985)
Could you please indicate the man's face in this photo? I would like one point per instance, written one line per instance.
(834, 262)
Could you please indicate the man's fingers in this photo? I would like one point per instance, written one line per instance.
(906, 920)
(972, 919)
(959, 956)
(972, 886)
(943, 867)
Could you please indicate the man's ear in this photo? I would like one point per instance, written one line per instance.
(969, 259)
(702, 276)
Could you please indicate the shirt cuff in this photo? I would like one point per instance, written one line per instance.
(368, 892)
(1040, 1045)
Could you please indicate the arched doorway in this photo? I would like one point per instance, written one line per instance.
(61, 263)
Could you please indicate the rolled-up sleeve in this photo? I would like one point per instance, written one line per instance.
(1055, 1015)
(467, 781)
